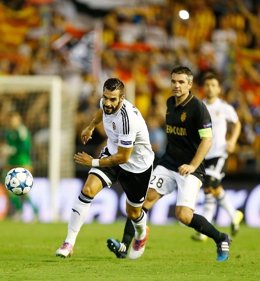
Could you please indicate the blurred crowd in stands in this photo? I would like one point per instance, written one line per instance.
(140, 45)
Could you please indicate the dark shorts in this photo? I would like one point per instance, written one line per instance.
(135, 185)
(214, 171)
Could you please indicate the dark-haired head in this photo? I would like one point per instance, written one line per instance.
(113, 95)
(183, 70)
(113, 84)
(211, 86)
(210, 76)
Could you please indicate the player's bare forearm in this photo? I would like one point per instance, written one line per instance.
(87, 132)
(202, 150)
(235, 132)
(111, 161)
(121, 157)
(85, 159)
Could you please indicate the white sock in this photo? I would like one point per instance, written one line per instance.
(77, 218)
(225, 203)
(140, 226)
(210, 205)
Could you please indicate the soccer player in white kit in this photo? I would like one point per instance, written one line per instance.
(127, 159)
(221, 114)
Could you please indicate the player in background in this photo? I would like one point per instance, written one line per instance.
(189, 138)
(224, 143)
(127, 158)
(18, 148)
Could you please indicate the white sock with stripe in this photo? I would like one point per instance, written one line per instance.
(140, 226)
(210, 206)
(225, 203)
(77, 218)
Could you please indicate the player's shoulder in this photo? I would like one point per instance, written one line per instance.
(224, 105)
(195, 101)
(129, 109)
(127, 105)
(129, 114)
(170, 99)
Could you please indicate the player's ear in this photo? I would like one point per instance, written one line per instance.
(121, 98)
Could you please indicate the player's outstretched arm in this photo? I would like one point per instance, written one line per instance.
(202, 150)
(122, 156)
(88, 131)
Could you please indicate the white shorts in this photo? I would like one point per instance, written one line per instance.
(165, 181)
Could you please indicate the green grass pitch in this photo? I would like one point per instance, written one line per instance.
(27, 253)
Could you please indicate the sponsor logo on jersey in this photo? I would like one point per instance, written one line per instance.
(126, 142)
(180, 131)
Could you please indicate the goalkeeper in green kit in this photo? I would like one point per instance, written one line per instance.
(18, 146)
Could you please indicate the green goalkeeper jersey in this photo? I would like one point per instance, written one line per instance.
(19, 140)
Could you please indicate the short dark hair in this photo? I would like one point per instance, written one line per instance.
(210, 76)
(183, 70)
(113, 84)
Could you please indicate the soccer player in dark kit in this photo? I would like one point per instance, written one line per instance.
(189, 135)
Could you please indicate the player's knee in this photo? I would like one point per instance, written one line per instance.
(148, 204)
(92, 186)
(215, 192)
(218, 191)
(133, 214)
(151, 198)
(89, 191)
(207, 190)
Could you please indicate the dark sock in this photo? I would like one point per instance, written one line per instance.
(200, 224)
(129, 233)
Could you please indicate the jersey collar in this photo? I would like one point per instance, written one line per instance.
(186, 101)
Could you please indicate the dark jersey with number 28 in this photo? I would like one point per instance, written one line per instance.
(185, 125)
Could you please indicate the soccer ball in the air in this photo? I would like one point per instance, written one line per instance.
(19, 181)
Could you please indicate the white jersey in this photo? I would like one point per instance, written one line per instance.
(221, 113)
(127, 128)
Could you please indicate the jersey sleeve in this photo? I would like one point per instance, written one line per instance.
(204, 122)
(230, 113)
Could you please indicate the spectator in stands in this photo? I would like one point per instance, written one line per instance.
(195, 42)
